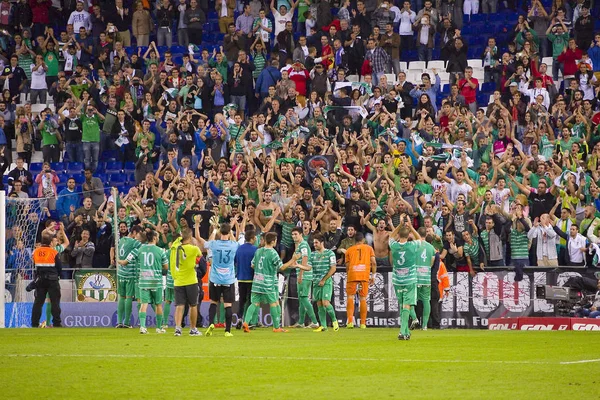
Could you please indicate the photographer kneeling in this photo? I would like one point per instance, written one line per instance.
(47, 271)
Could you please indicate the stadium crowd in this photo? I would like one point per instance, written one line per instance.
(335, 118)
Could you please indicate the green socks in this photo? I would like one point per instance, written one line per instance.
(322, 316)
(413, 313)
(120, 309)
(221, 318)
(159, 320)
(142, 319)
(48, 314)
(301, 312)
(308, 309)
(331, 312)
(166, 312)
(404, 314)
(275, 316)
(127, 312)
(426, 312)
(249, 315)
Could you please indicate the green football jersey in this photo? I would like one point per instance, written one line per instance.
(266, 263)
(126, 246)
(321, 261)
(423, 260)
(304, 250)
(151, 259)
(404, 270)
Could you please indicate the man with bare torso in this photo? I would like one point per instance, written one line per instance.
(265, 210)
(381, 238)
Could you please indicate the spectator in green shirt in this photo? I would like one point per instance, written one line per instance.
(90, 120)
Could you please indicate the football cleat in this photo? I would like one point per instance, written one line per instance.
(363, 326)
(280, 330)
(336, 326)
(178, 332)
(414, 324)
(424, 328)
(312, 326)
(220, 325)
(228, 334)
(195, 332)
(119, 326)
(320, 329)
(127, 326)
(209, 330)
(143, 331)
(350, 325)
(246, 327)
(161, 330)
(238, 326)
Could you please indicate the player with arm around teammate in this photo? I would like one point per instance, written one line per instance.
(424, 260)
(266, 263)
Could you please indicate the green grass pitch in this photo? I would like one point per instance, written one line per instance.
(349, 364)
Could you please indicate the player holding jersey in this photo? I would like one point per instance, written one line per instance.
(222, 276)
(323, 262)
(404, 271)
(127, 276)
(305, 279)
(361, 267)
(152, 260)
(424, 260)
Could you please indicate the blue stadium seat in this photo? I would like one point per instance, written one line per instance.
(131, 179)
(179, 49)
(212, 15)
(103, 177)
(74, 168)
(79, 178)
(129, 167)
(101, 167)
(35, 168)
(483, 99)
(113, 167)
(478, 18)
(58, 166)
(488, 87)
(114, 179)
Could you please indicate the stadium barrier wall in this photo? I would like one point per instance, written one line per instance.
(471, 302)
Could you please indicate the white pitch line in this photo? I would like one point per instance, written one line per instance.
(580, 361)
(344, 359)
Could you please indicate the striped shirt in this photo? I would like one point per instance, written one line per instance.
(404, 270)
(126, 246)
(286, 233)
(259, 64)
(423, 260)
(235, 131)
(472, 250)
(150, 260)
(304, 250)
(321, 262)
(266, 263)
(519, 244)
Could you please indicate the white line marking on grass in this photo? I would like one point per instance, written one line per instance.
(344, 359)
(580, 361)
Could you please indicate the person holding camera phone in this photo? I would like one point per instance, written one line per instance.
(47, 271)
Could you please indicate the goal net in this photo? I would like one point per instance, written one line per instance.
(21, 226)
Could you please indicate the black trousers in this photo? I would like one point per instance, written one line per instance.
(186, 310)
(244, 291)
(51, 287)
(435, 316)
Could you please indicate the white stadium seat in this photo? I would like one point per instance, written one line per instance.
(438, 64)
(403, 66)
(414, 65)
(475, 63)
